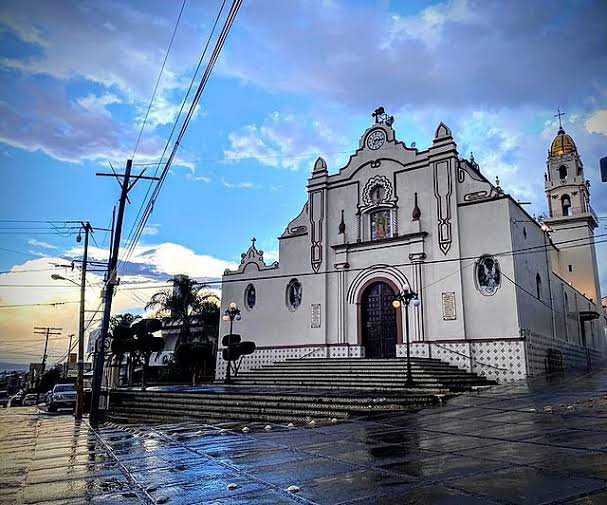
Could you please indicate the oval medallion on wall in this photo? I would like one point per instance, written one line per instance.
(487, 275)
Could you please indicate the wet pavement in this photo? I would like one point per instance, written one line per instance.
(525, 443)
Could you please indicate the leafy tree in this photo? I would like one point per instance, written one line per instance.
(121, 345)
(122, 320)
(49, 379)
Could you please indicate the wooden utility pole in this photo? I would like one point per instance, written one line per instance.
(124, 180)
(46, 331)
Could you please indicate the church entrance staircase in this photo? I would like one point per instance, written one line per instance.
(299, 391)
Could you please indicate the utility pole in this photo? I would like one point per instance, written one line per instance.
(69, 350)
(46, 331)
(80, 381)
(126, 185)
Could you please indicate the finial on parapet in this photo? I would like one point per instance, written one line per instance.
(320, 167)
(342, 225)
(417, 213)
(498, 188)
(442, 132)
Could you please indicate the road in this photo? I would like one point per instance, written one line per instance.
(525, 443)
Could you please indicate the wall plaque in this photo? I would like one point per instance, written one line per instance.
(449, 306)
(315, 310)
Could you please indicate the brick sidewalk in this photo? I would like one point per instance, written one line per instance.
(527, 443)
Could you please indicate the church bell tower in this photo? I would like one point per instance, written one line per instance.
(570, 217)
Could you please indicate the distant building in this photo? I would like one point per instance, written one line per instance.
(500, 291)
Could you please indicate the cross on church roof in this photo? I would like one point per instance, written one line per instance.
(559, 116)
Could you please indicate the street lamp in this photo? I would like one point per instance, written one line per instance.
(86, 226)
(231, 313)
(57, 277)
(406, 296)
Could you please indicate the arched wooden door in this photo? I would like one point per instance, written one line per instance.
(379, 323)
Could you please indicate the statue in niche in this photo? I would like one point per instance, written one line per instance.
(488, 275)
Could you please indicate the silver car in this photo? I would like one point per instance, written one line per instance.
(63, 397)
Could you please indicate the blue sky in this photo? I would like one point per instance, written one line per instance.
(296, 80)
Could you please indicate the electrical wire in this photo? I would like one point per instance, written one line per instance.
(166, 56)
(302, 274)
(211, 63)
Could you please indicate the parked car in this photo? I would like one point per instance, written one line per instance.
(63, 396)
(29, 400)
(16, 400)
(4, 398)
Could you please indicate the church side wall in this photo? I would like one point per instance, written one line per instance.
(488, 316)
(552, 320)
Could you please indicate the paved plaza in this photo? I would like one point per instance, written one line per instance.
(524, 443)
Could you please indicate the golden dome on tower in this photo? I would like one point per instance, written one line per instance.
(562, 144)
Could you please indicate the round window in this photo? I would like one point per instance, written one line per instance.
(487, 275)
(250, 297)
(294, 294)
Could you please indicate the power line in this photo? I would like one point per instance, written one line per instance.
(532, 249)
(525, 250)
(219, 45)
(28, 271)
(158, 79)
(50, 304)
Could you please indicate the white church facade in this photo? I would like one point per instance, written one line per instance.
(500, 292)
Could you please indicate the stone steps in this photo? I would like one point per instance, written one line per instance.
(159, 406)
(300, 390)
(362, 374)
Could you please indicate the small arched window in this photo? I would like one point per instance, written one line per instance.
(538, 286)
(566, 205)
(563, 172)
(250, 297)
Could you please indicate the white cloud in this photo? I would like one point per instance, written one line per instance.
(428, 25)
(597, 122)
(149, 267)
(161, 261)
(239, 185)
(40, 243)
(198, 178)
(98, 104)
(151, 229)
(287, 141)
(454, 54)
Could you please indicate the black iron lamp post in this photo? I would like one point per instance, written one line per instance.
(231, 313)
(405, 297)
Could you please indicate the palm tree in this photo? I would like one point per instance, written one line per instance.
(187, 303)
(184, 303)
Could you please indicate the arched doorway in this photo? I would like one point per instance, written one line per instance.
(379, 321)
